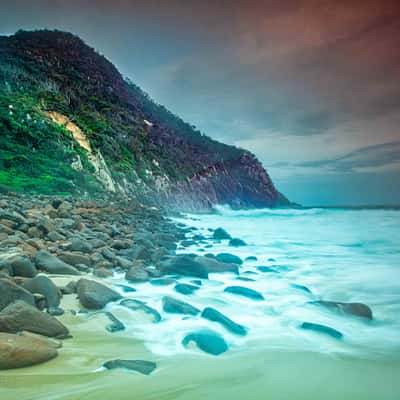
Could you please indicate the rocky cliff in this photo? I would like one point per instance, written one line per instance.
(70, 123)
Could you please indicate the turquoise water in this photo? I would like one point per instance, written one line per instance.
(339, 255)
(342, 255)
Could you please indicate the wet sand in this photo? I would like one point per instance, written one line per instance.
(241, 373)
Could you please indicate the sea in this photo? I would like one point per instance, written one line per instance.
(312, 254)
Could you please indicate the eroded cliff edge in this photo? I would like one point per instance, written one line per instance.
(70, 123)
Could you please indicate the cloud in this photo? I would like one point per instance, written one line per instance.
(375, 156)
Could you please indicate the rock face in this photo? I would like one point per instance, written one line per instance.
(179, 167)
(53, 265)
(94, 295)
(20, 316)
(20, 351)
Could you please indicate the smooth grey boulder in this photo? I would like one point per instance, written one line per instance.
(244, 291)
(229, 258)
(185, 288)
(75, 259)
(208, 341)
(310, 326)
(10, 292)
(20, 316)
(43, 285)
(213, 265)
(52, 264)
(221, 234)
(80, 244)
(183, 264)
(22, 266)
(94, 295)
(162, 281)
(142, 366)
(137, 274)
(356, 309)
(137, 305)
(175, 306)
(214, 315)
(20, 351)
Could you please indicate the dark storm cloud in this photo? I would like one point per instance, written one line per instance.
(324, 73)
(372, 156)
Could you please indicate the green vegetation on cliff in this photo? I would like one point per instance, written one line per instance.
(144, 146)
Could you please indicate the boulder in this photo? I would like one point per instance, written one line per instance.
(102, 272)
(137, 274)
(75, 259)
(175, 306)
(208, 341)
(94, 295)
(221, 234)
(142, 366)
(229, 258)
(20, 316)
(22, 266)
(213, 265)
(10, 292)
(185, 288)
(183, 264)
(237, 242)
(322, 329)
(214, 315)
(356, 309)
(244, 291)
(80, 244)
(162, 281)
(20, 351)
(43, 285)
(53, 265)
(137, 305)
(115, 324)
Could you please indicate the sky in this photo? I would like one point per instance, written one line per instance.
(312, 87)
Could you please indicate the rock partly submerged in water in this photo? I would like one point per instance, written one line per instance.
(214, 315)
(185, 288)
(245, 292)
(137, 305)
(197, 266)
(141, 366)
(20, 316)
(43, 285)
(208, 341)
(310, 326)
(175, 306)
(18, 351)
(221, 234)
(356, 309)
(229, 258)
(236, 242)
(137, 274)
(94, 295)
